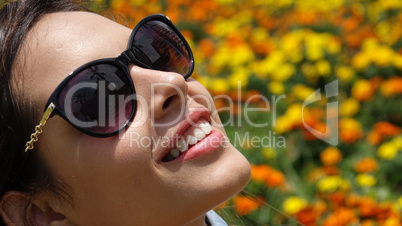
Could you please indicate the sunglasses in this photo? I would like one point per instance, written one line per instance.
(91, 97)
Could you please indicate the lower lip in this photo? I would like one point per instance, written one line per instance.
(210, 143)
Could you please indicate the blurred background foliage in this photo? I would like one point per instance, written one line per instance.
(280, 52)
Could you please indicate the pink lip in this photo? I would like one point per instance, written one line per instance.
(190, 120)
(210, 143)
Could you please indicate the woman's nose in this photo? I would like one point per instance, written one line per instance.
(164, 93)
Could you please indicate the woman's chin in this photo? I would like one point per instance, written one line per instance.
(232, 175)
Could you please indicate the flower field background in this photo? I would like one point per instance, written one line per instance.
(272, 55)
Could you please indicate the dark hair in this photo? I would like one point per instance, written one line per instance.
(18, 170)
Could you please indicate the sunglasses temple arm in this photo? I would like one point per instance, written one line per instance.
(39, 128)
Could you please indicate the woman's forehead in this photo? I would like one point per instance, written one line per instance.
(76, 34)
(61, 42)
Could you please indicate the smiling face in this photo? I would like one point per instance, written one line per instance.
(133, 177)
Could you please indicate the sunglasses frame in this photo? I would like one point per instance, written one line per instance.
(121, 62)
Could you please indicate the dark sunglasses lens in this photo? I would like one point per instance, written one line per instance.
(99, 99)
(159, 47)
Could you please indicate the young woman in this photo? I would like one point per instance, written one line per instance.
(130, 138)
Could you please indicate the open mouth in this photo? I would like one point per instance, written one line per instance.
(191, 137)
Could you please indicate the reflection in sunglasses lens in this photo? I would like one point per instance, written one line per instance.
(160, 48)
(99, 99)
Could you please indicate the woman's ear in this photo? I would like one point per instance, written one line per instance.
(14, 211)
(12, 206)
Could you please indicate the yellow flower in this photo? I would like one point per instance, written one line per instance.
(294, 114)
(392, 221)
(224, 2)
(276, 87)
(323, 67)
(330, 183)
(361, 60)
(294, 204)
(383, 56)
(291, 42)
(387, 151)
(362, 90)
(399, 202)
(205, 81)
(269, 153)
(222, 57)
(314, 53)
(365, 180)
(397, 61)
(302, 91)
(283, 72)
(116, 4)
(349, 107)
(243, 55)
(282, 124)
(220, 85)
(370, 44)
(137, 2)
(309, 71)
(222, 27)
(239, 77)
(260, 69)
(344, 73)
(333, 47)
(260, 34)
(397, 142)
(269, 65)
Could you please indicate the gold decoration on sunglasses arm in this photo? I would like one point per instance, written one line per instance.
(39, 128)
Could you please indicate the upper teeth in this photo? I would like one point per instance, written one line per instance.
(193, 135)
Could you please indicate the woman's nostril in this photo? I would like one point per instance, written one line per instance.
(168, 101)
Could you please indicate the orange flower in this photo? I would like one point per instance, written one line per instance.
(374, 137)
(386, 128)
(307, 216)
(368, 222)
(391, 86)
(275, 179)
(340, 217)
(375, 82)
(382, 130)
(353, 200)
(330, 170)
(331, 156)
(207, 47)
(245, 205)
(316, 174)
(368, 207)
(349, 24)
(366, 165)
(260, 172)
(317, 126)
(362, 90)
(271, 177)
(350, 130)
(252, 96)
(337, 199)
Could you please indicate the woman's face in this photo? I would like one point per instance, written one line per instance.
(122, 180)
